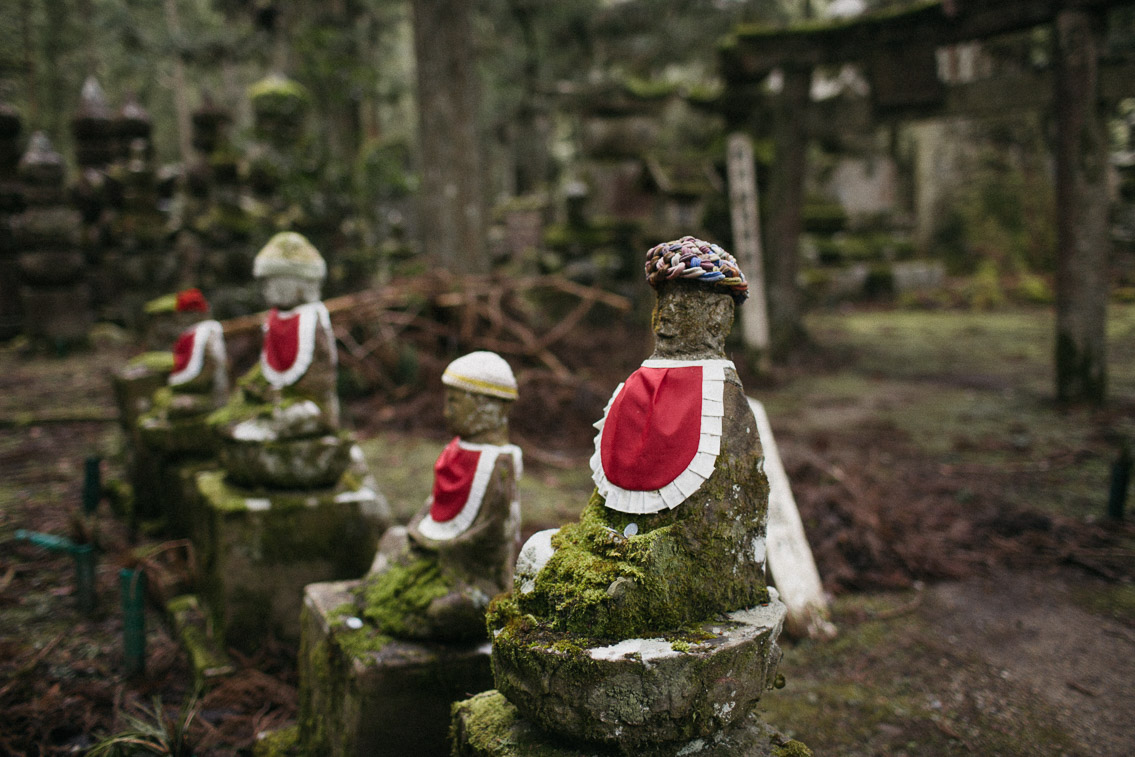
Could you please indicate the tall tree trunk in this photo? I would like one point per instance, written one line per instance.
(30, 73)
(530, 139)
(181, 90)
(786, 203)
(452, 205)
(1082, 208)
(54, 81)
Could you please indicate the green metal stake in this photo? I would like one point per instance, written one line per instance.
(84, 555)
(1120, 479)
(85, 577)
(133, 584)
(92, 485)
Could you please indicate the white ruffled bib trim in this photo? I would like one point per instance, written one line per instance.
(700, 467)
(207, 335)
(458, 524)
(312, 315)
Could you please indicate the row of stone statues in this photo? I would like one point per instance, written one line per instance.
(646, 627)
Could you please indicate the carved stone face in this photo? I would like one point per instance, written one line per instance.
(287, 292)
(469, 415)
(690, 322)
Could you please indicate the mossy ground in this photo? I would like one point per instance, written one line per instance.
(892, 684)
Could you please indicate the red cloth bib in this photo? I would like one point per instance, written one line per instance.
(453, 480)
(281, 340)
(183, 349)
(652, 430)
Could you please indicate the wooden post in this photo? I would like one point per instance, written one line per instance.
(789, 558)
(745, 214)
(786, 203)
(1081, 211)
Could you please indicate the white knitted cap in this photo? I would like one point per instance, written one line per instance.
(481, 373)
(289, 254)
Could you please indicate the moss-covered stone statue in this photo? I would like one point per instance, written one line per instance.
(434, 579)
(282, 427)
(294, 502)
(383, 658)
(648, 625)
(197, 385)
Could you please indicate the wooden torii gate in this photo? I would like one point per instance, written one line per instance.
(897, 52)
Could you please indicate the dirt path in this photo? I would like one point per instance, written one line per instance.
(1031, 629)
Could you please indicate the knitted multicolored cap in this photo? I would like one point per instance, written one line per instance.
(481, 373)
(289, 254)
(694, 259)
(191, 301)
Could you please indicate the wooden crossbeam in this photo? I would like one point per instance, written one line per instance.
(755, 51)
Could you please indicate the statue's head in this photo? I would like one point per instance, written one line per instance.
(480, 390)
(698, 284)
(190, 307)
(290, 269)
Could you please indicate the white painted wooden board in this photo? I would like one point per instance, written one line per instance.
(789, 557)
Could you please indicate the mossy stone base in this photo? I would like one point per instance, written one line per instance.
(288, 463)
(488, 725)
(134, 385)
(365, 693)
(640, 691)
(259, 547)
(174, 436)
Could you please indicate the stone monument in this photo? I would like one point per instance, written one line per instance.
(647, 627)
(55, 293)
(174, 431)
(410, 636)
(293, 502)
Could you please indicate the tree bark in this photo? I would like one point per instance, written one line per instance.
(181, 93)
(452, 203)
(786, 202)
(1082, 211)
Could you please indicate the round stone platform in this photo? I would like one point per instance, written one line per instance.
(641, 691)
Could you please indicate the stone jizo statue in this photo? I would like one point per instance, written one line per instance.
(675, 529)
(647, 625)
(283, 427)
(199, 381)
(197, 385)
(434, 578)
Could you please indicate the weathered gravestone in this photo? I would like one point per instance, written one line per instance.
(384, 658)
(293, 503)
(647, 628)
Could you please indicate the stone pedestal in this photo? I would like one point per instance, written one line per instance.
(259, 547)
(638, 692)
(365, 693)
(134, 386)
(488, 725)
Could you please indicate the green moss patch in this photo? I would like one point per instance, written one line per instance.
(601, 584)
(396, 599)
